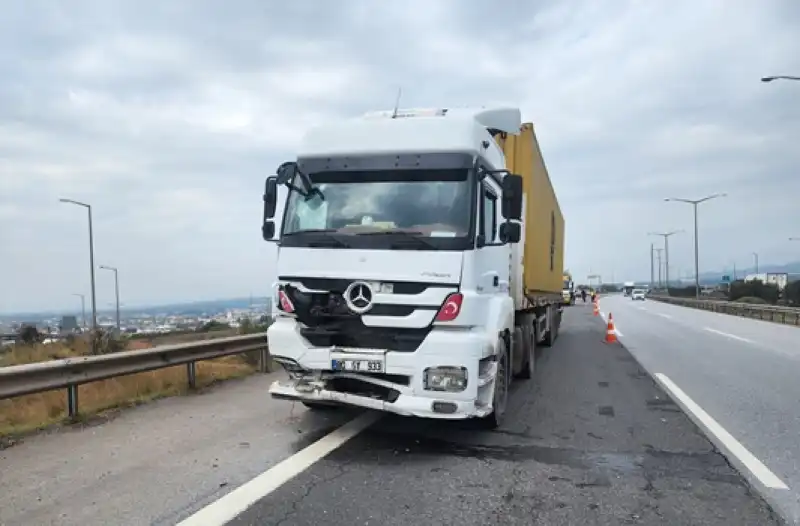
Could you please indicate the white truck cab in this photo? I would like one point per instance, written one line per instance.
(399, 273)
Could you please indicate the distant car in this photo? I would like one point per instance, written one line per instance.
(638, 294)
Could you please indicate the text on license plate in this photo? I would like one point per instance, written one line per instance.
(364, 366)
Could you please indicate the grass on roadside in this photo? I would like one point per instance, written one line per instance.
(31, 412)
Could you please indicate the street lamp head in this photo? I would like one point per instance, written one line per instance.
(73, 202)
(767, 79)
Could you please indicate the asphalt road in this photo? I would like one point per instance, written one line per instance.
(155, 464)
(590, 440)
(744, 373)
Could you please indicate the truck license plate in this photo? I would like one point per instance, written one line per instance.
(361, 366)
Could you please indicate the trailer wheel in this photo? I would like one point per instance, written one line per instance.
(500, 395)
(529, 349)
(552, 331)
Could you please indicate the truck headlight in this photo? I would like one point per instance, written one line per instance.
(451, 379)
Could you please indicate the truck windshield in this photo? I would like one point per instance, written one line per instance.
(429, 203)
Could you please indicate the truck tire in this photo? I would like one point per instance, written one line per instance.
(529, 348)
(500, 395)
(552, 332)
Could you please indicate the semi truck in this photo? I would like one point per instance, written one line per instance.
(419, 262)
(627, 288)
(568, 289)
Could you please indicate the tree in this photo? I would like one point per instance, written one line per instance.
(754, 289)
(213, 325)
(792, 292)
(29, 335)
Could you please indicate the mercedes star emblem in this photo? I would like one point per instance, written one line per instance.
(358, 296)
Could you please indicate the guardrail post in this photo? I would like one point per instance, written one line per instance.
(72, 401)
(191, 374)
(263, 361)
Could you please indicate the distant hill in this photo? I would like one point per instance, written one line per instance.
(712, 278)
(185, 308)
(715, 277)
(199, 307)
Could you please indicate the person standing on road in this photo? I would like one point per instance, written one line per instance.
(583, 295)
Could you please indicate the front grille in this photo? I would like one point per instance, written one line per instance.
(339, 285)
(355, 334)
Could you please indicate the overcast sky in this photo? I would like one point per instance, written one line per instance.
(167, 117)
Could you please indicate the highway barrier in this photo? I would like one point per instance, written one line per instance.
(69, 373)
(773, 313)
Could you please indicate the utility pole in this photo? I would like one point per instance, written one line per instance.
(658, 252)
(116, 290)
(91, 263)
(652, 267)
(666, 236)
(83, 310)
(694, 203)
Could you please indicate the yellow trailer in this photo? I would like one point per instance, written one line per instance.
(543, 259)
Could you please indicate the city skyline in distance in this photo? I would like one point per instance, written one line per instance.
(233, 302)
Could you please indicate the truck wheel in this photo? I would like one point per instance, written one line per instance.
(552, 332)
(317, 406)
(500, 395)
(529, 348)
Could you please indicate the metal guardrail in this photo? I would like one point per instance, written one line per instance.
(69, 373)
(773, 313)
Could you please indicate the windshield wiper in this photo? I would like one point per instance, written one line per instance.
(324, 237)
(311, 231)
(415, 237)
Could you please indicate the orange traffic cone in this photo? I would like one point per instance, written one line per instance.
(611, 332)
(596, 309)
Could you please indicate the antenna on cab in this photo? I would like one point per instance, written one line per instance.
(397, 103)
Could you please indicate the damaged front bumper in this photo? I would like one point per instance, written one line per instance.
(377, 394)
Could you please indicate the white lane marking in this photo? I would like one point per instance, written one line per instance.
(725, 439)
(231, 505)
(667, 316)
(728, 335)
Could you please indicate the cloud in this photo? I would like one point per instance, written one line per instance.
(168, 116)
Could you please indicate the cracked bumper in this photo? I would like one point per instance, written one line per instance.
(406, 404)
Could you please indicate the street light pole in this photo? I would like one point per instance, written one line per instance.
(755, 258)
(652, 268)
(658, 251)
(83, 309)
(91, 258)
(694, 203)
(666, 236)
(779, 77)
(116, 289)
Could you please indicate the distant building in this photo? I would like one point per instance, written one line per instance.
(69, 324)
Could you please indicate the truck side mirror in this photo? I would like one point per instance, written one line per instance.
(512, 197)
(510, 232)
(270, 197)
(268, 230)
(270, 206)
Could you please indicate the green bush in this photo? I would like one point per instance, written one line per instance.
(754, 300)
(754, 289)
(214, 325)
